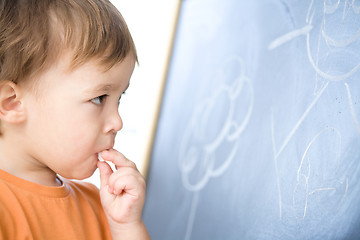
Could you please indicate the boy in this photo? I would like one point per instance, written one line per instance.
(64, 65)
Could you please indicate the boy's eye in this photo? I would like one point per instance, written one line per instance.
(119, 101)
(120, 98)
(98, 100)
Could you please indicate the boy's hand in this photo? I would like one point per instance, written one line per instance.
(122, 193)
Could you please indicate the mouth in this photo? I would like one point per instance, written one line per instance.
(99, 154)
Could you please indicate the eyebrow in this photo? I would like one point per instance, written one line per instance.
(102, 87)
(105, 88)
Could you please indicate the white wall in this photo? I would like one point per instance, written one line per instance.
(152, 25)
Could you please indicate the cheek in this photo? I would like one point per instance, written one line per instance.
(73, 153)
(80, 136)
(64, 129)
(71, 135)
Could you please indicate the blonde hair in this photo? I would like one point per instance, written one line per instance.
(34, 34)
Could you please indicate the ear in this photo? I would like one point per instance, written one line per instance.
(11, 105)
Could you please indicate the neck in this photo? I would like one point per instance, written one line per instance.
(25, 167)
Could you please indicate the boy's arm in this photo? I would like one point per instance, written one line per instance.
(122, 195)
(132, 231)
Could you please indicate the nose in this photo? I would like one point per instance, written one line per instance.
(114, 122)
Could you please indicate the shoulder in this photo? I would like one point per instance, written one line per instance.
(82, 185)
(83, 193)
(84, 188)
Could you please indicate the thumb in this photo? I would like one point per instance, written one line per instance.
(105, 172)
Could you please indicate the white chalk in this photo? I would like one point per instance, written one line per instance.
(100, 158)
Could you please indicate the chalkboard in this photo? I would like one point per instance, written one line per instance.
(259, 130)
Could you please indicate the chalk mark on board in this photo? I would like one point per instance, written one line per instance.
(289, 36)
(332, 44)
(325, 75)
(329, 41)
(339, 44)
(322, 189)
(353, 114)
(276, 162)
(304, 172)
(190, 224)
(191, 154)
(300, 121)
(330, 9)
(196, 150)
(277, 153)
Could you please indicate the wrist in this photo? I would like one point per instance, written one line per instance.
(134, 230)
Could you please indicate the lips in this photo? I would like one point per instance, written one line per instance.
(104, 149)
(107, 147)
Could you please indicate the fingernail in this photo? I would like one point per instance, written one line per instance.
(104, 153)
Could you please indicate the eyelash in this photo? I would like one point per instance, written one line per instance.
(120, 98)
(99, 100)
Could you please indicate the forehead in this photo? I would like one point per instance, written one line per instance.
(89, 77)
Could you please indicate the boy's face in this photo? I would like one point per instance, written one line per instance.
(72, 116)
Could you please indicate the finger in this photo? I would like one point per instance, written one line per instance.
(122, 172)
(105, 173)
(128, 184)
(117, 158)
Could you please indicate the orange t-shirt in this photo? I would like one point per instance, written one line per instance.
(32, 211)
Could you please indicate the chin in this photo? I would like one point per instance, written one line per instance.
(83, 176)
(79, 175)
(86, 174)
(83, 170)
